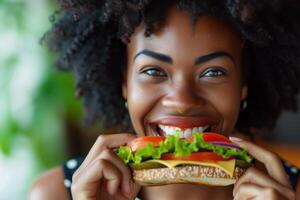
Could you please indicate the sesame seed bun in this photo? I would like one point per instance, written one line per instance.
(196, 174)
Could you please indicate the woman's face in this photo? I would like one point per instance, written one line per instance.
(184, 77)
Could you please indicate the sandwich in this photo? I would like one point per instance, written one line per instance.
(202, 158)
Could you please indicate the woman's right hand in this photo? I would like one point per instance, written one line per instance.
(103, 175)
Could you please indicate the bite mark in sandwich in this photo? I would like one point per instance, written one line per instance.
(202, 158)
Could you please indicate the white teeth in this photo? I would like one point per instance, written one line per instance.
(195, 130)
(171, 130)
(201, 129)
(177, 129)
(187, 133)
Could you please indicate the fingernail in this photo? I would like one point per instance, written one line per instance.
(235, 139)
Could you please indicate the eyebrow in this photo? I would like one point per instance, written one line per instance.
(211, 56)
(153, 54)
(199, 60)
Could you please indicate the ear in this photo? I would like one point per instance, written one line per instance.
(124, 90)
(244, 91)
(124, 84)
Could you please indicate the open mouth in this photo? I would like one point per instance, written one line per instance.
(184, 125)
(165, 130)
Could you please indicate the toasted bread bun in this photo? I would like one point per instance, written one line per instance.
(196, 174)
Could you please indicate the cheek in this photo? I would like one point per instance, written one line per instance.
(226, 100)
(142, 98)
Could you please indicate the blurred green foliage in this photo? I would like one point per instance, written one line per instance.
(35, 100)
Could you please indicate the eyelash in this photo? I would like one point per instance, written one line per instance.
(154, 71)
(220, 72)
(157, 72)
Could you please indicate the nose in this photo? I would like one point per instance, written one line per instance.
(183, 99)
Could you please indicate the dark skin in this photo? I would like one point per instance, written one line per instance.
(181, 87)
(172, 81)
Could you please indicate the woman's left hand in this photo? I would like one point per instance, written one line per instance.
(256, 184)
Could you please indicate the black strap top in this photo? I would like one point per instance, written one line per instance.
(71, 166)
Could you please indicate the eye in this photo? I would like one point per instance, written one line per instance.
(154, 71)
(213, 72)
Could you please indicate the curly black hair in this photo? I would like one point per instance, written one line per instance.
(90, 37)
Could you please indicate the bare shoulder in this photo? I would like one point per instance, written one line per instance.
(50, 185)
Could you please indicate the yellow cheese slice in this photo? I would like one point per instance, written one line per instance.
(226, 166)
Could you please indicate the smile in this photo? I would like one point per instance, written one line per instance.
(185, 126)
(183, 132)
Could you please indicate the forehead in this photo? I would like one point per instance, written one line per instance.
(180, 39)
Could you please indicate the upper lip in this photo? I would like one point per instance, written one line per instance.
(184, 122)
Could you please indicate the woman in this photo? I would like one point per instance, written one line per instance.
(234, 63)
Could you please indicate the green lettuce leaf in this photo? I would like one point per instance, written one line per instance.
(180, 147)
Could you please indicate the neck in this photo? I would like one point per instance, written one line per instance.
(186, 191)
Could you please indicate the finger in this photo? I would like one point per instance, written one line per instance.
(249, 191)
(259, 178)
(129, 187)
(119, 164)
(270, 160)
(89, 179)
(104, 142)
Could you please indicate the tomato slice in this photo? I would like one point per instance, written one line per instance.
(215, 137)
(199, 156)
(211, 137)
(143, 141)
